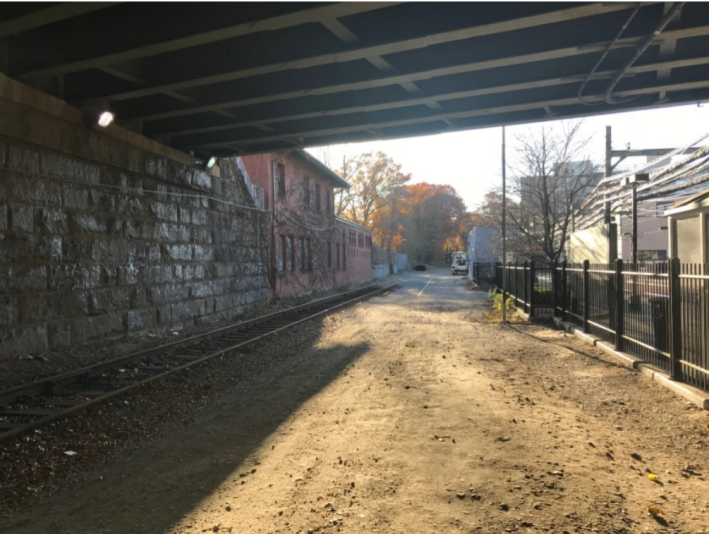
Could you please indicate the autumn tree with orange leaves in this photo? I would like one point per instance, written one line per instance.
(375, 184)
(434, 217)
(419, 219)
(375, 198)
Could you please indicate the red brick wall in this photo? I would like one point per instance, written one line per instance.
(359, 254)
(296, 220)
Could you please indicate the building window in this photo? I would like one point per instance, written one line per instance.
(353, 238)
(282, 254)
(301, 254)
(360, 240)
(337, 249)
(652, 255)
(308, 257)
(281, 180)
(344, 257)
(317, 197)
(306, 192)
(329, 255)
(328, 202)
(291, 253)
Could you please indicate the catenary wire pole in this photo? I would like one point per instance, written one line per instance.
(504, 232)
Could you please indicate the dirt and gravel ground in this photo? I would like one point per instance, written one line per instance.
(403, 414)
(16, 370)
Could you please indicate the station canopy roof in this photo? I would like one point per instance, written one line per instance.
(232, 78)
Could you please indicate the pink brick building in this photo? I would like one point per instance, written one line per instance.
(311, 249)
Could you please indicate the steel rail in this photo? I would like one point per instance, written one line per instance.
(39, 393)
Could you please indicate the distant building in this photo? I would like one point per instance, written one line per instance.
(485, 244)
(310, 248)
(688, 222)
(653, 230)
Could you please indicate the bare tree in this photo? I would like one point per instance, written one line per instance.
(345, 198)
(553, 176)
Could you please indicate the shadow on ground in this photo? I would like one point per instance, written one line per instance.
(135, 494)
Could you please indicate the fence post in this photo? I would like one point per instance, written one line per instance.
(673, 272)
(619, 306)
(500, 281)
(525, 266)
(586, 294)
(532, 275)
(564, 291)
(514, 277)
(508, 283)
(554, 287)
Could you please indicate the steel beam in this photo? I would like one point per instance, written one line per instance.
(417, 43)
(434, 73)
(650, 152)
(428, 99)
(270, 24)
(50, 15)
(456, 115)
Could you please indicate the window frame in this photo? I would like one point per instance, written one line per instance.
(280, 180)
(291, 253)
(282, 247)
(308, 256)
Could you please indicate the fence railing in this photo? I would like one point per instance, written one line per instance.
(483, 273)
(658, 312)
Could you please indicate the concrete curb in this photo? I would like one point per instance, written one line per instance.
(692, 394)
(526, 317)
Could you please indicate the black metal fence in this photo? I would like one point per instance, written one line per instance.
(658, 312)
(484, 273)
(530, 284)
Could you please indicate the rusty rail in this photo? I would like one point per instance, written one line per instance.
(45, 401)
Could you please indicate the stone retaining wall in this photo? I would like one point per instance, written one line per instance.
(99, 247)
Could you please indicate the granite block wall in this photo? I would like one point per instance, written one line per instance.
(101, 248)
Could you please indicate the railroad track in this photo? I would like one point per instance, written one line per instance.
(45, 401)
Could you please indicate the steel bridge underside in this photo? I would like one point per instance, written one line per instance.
(224, 79)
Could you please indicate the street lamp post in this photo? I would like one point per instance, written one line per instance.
(633, 181)
(504, 232)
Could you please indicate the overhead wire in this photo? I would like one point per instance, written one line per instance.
(604, 55)
(639, 52)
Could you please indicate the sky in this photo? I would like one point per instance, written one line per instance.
(471, 161)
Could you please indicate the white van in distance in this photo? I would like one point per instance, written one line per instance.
(460, 263)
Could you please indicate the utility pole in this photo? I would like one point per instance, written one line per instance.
(609, 151)
(634, 235)
(633, 181)
(627, 153)
(504, 231)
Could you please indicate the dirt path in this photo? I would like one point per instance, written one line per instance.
(409, 415)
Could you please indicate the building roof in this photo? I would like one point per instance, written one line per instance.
(325, 171)
(700, 200)
(346, 221)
